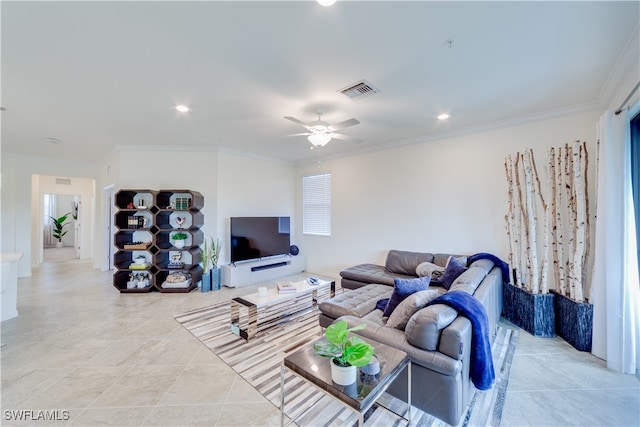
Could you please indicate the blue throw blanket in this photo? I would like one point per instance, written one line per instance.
(504, 267)
(481, 366)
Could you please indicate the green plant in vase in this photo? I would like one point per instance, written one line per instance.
(58, 226)
(346, 352)
(209, 261)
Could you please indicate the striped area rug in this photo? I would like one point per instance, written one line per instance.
(258, 362)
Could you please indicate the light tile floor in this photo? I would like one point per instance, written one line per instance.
(103, 358)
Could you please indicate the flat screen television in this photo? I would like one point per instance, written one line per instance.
(259, 237)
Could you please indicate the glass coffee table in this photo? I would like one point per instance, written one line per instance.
(359, 396)
(256, 312)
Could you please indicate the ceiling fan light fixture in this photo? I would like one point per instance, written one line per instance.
(326, 2)
(319, 139)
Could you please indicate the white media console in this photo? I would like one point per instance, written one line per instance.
(252, 272)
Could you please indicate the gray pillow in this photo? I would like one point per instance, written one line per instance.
(408, 307)
(427, 268)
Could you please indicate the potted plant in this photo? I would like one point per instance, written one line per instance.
(209, 262)
(179, 239)
(346, 352)
(58, 227)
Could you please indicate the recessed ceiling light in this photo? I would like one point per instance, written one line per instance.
(326, 2)
(182, 108)
(444, 116)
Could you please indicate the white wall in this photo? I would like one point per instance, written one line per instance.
(447, 195)
(253, 186)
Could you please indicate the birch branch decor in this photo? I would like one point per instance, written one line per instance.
(564, 229)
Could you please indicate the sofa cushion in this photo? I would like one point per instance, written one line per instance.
(484, 264)
(452, 271)
(469, 280)
(371, 273)
(402, 288)
(357, 302)
(407, 308)
(405, 262)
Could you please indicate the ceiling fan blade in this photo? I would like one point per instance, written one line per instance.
(346, 137)
(298, 122)
(301, 134)
(346, 123)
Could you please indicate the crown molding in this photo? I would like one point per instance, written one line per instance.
(510, 122)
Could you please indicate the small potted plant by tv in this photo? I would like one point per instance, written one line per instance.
(58, 228)
(346, 352)
(179, 239)
(209, 262)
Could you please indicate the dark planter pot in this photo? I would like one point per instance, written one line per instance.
(574, 321)
(532, 312)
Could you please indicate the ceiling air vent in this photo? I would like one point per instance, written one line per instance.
(359, 90)
(63, 181)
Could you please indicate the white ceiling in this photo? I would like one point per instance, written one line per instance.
(101, 74)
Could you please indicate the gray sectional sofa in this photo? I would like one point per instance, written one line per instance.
(437, 339)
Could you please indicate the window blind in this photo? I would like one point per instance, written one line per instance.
(316, 204)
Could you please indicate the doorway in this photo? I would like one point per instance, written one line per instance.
(61, 227)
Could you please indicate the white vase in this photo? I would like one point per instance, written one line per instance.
(343, 375)
(178, 244)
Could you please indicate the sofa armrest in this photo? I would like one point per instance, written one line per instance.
(456, 338)
(424, 328)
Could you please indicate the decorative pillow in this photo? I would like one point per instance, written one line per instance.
(427, 268)
(409, 307)
(451, 273)
(402, 288)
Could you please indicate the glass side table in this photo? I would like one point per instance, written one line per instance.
(359, 396)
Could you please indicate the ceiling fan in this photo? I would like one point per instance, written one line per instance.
(320, 132)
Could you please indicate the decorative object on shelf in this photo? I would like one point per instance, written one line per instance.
(138, 281)
(182, 203)
(179, 239)
(177, 280)
(180, 221)
(140, 259)
(176, 260)
(137, 221)
(136, 245)
(346, 352)
(58, 227)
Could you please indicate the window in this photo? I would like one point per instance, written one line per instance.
(316, 204)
